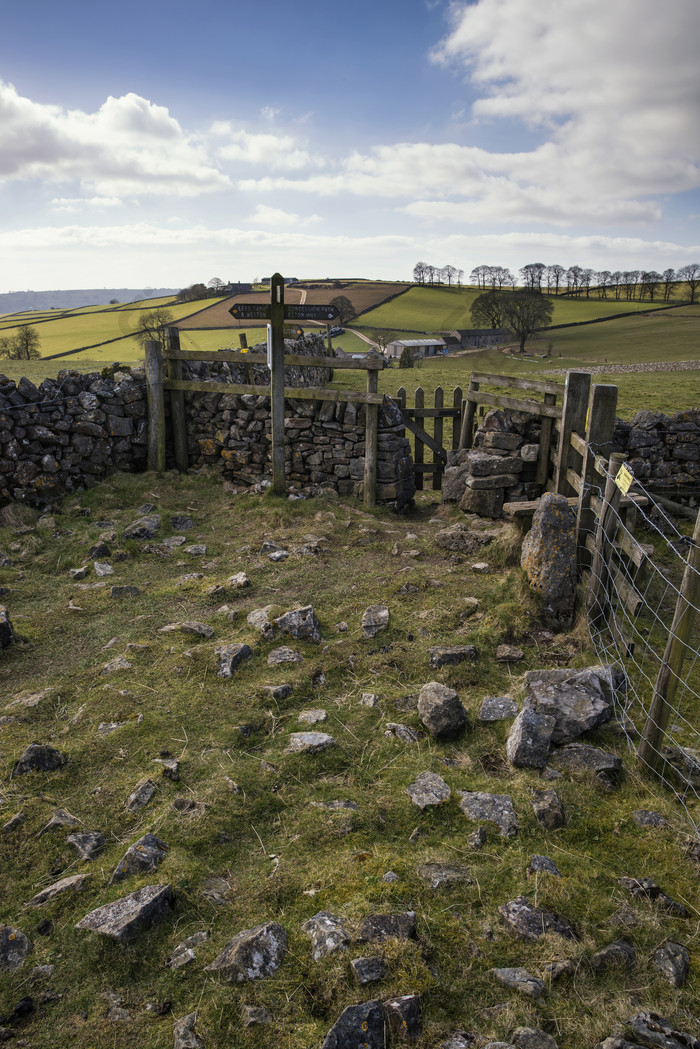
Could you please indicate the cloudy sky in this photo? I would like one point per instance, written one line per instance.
(163, 143)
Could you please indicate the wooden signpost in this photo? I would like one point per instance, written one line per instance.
(277, 313)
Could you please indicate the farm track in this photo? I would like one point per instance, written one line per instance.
(649, 366)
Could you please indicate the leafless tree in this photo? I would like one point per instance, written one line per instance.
(690, 273)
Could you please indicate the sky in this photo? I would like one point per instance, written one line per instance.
(158, 144)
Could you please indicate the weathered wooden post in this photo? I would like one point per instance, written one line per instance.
(277, 382)
(599, 432)
(607, 525)
(546, 424)
(177, 403)
(457, 420)
(437, 435)
(466, 436)
(156, 407)
(573, 420)
(418, 452)
(674, 655)
(369, 489)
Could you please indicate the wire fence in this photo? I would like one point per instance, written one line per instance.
(643, 599)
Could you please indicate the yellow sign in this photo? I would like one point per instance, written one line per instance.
(624, 479)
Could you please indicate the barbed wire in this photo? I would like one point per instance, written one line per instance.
(630, 625)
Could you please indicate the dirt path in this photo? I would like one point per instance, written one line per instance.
(651, 366)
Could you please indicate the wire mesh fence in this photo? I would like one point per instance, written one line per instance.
(643, 599)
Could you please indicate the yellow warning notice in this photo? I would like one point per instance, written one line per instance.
(624, 479)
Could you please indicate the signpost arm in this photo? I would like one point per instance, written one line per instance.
(277, 382)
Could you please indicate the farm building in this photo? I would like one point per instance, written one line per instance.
(421, 347)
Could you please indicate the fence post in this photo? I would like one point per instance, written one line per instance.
(156, 407)
(599, 431)
(542, 475)
(369, 489)
(418, 452)
(607, 525)
(674, 654)
(467, 433)
(438, 466)
(277, 382)
(574, 408)
(457, 421)
(177, 404)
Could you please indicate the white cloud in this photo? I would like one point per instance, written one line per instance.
(269, 112)
(80, 203)
(128, 146)
(264, 215)
(279, 152)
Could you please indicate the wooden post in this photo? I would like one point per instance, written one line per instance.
(674, 655)
(546, 423)
(177, 405)
(401, 398)
(369, 490)
(466, 436)
(247, 368)
(437, 434)
(156, 407)
(277, 382)
(418, 452)
(607, 525)
(457, 421)
(599, 431)
(575, 406)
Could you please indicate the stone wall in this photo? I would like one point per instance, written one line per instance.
(663, 451)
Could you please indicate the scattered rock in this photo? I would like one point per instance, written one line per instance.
(230, 657)
(184, 953)
(102, 569)
(519, 980)
(144, 855)
(673, 962)
(481, 568)
(39, 757)
(188, 807)
(184, 1034)
(374, 619)
(376, 928)
(171, 768)
(530, 923)
(14, 947)
(647, 889)
(327, 934)
(13, 823)
(617, 955)
(115, 665)
(497, 808)
(477, 839)
(312, 717)
(581, 759)
(59, 818)
(403, 732)
(444, 875)
(300, 624)
(509, 654)
(252, 954)
(548, 556)
(548, 808)
(336, 806)
(80, 573)
(143, 528)
(252, 1015)
(497, 708)
(532, 1038)
(88, 845)
(140, 795)
(74, 883)
(529, 739)
(119, 592)
(125, 918)
(360, 1026)
(428, 789)
(444, 656)
(653, 1030)
(577, 702)
(309, 743)
(646, 818)
(441, 711)
(543, 865)
(283, 655)
(368, 970)
(404, 1017)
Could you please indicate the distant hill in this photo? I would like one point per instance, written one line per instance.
(16, 301)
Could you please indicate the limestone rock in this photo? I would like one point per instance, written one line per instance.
(582, 759)
(144, 855)
(309, 743)
(115, 665)
(497, 708)
(123, 919)
(519, 980)
(358, 1026)
(327, 934)
(548, 556)
(577, 703)
(673, 962)
(428, 789)
(530, 923)
(647, 818)
(88, 845)
(543, 865)
(444, 875)
(403, 732)
(312, 717)
(404, 1017)
(300, 624)
(143, 528)
(59, 818)
(184, 1035)
(497, 808)
(39, 757)
(652, 1030)
(441, 711)
(7, 634)
(184, 953)
(617, 955)
(252, 954)
(374, 619)
(532, 1038)
(14, 947)
(74, 883)
(140, 795)
(444, 656)
(252, 1015)
(230, 657)
(528, 742)
(283, 655)
(548, 808)
(509, 654)
(368, 970)
(647, 889)
(459, 538)
(376, 928)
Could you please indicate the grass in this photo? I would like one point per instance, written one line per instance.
(275, 855)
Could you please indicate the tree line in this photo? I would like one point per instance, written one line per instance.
(582, 282)
(426, 273)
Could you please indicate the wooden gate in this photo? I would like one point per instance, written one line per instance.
(415, 416)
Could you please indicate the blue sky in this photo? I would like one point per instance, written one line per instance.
(159, 144)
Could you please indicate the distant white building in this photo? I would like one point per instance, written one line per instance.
(432, 347)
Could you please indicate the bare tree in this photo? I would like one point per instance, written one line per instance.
(22, 346)
(690, 273)
(532, 275)
(669, 277)
(420, 272)
(554, 275)
(153, 325)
